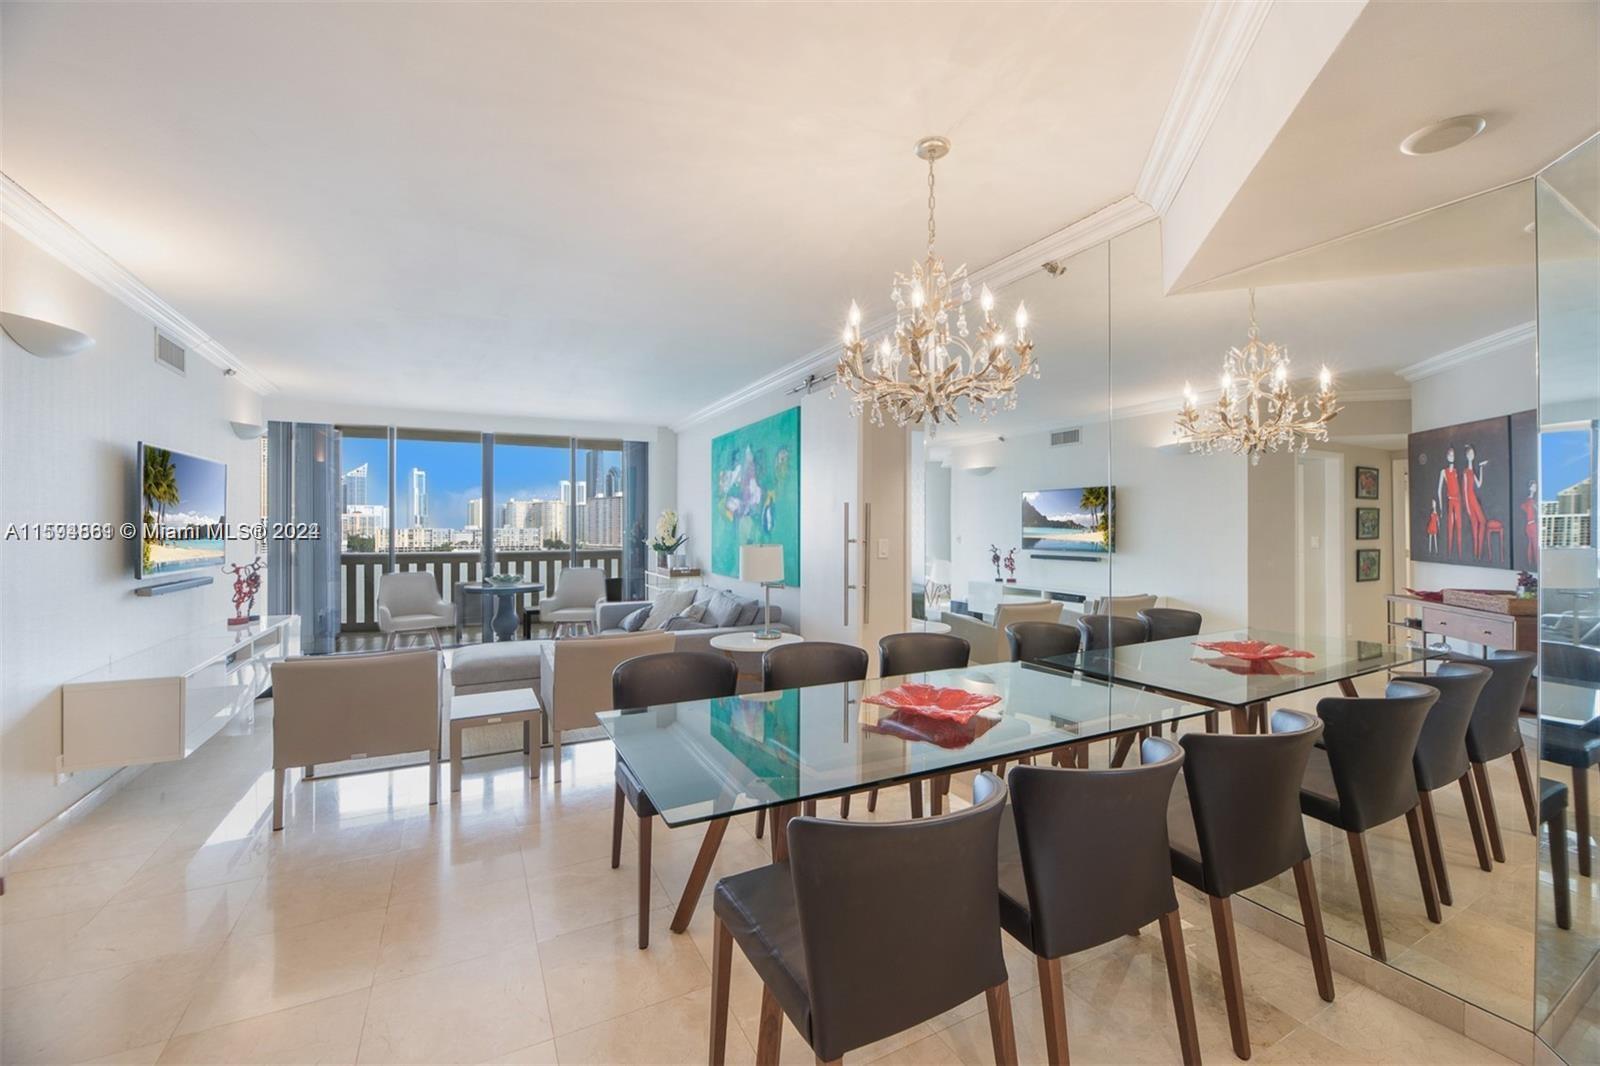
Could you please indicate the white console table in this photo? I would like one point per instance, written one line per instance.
(160, 704)
(984, 596)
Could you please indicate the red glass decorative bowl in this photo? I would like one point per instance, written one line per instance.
(931, 701)
(1253, 651)
(943, 732)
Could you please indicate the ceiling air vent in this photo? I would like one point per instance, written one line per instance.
(170, 354)
(1066, 436)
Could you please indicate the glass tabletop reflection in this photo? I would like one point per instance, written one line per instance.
(1180, 666)
(712, 758)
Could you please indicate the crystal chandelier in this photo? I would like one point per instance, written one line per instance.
(1257, 412)
(930, 361)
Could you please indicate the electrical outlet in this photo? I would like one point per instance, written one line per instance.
(1316, 542)
(883, 547)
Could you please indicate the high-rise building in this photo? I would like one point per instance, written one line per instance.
(1568, 520)
(353, 486)
(419, 497)
(475, 513)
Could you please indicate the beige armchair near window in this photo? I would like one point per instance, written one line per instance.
(575, 678)
(989, 644)
(329, 708)
(409, 602)
(578, 589)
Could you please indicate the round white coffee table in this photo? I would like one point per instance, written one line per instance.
(746, 642)
(928, 625)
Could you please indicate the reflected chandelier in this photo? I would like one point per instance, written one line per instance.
(927, 364)
(1257, 412)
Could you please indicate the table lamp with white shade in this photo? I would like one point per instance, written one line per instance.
(763, 563)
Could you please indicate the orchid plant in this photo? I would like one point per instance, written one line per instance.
(667, 539)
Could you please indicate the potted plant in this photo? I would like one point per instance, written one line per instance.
(667, 539)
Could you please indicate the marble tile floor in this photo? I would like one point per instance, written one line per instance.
(170, 924)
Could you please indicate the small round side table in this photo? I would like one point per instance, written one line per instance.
(747, 643)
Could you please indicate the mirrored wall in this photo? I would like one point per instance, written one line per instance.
(1448, 485)
(1567, 1001)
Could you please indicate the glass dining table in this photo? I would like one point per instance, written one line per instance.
(708, 760)
(1227, 682)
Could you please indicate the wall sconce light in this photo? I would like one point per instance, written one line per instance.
(44, 339)
(248, 430)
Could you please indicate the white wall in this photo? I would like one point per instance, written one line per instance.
(1172, 508)
(829, 449)
(67, 439)
(1487, 387)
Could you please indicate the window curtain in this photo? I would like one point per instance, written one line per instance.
(636, 525)
(303, 490)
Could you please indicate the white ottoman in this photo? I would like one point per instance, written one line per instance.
(497, 667)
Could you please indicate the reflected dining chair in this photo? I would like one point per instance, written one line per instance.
(1236, 823)
(1032, 642)
(1096, 631)
(664, 677)
(1576, 747)
(1495, 733)
(900, 654)
(1553, 814)
(1361, 777)
(1166, 623)
(848, 940)
(1084, 859)
(813, 662)
(1441, 757)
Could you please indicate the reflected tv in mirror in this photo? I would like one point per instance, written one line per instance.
(1069, 521)
(181, 503)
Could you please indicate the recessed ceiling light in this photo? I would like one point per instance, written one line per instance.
(1447, 133)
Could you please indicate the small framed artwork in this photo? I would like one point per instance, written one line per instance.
(1366, 483)
(1367, 521)
(1367, 564)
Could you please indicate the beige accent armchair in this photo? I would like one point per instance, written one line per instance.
(989, 644)
(329, 708)
(409, 602)
(578, 590)
(575, 678)
(1121, 606)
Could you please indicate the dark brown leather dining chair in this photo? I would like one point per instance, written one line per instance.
(1236, 823)
(868, 929)
(643, 681)
(813, 662)
(1033, 641)
(1361, 777)
(1096, 631)
(919, 653)
(1084, 859)
(1166, 623)
(1495, 733)
(1441, 758)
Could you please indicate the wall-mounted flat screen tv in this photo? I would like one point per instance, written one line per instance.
(1069, 521)
(181, 502)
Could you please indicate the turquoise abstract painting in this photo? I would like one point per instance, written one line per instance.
(755, 492)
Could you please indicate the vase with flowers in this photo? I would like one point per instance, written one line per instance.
(667, 539)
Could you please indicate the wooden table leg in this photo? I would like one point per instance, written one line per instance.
(698, 874)
(1241, 720)
(1348, 687)
(780, 831)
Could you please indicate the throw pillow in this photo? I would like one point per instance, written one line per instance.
(695, 612)
(634, 622)
(723, 610)
(666, 605)
(680, 623)
(750, 613)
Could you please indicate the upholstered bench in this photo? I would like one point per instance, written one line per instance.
(495, 667)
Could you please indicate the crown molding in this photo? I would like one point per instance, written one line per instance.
(1522, 333)
(32, 219)
(1091, 230)
(1227, 30)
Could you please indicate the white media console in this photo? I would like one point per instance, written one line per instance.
(160, 704)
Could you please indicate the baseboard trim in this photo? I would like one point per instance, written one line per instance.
(1503, 1037)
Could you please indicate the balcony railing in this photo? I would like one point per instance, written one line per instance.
(360, 572)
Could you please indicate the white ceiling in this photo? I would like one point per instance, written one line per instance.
(607, 211)
(1109, 339)
(1532, 69)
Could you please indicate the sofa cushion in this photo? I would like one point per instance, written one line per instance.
(724, 609)
(696, 611)
(681, 623)
(666, 605)
(750, 613)
(501, 663)
(635, 621)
